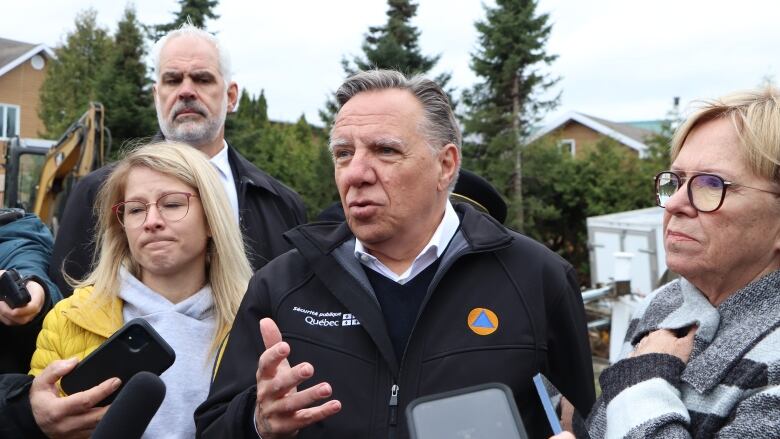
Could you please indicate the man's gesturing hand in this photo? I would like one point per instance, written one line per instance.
(281, 410)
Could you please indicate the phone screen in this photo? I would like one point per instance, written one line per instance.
(482, 413)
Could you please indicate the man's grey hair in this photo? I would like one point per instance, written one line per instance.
(439, 125)
(188, 29)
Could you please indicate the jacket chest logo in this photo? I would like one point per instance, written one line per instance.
(327, 319)
(482, 321)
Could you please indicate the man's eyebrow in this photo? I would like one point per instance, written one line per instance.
(171, 75)
(203, 74)
(388, 142)
(338, 142)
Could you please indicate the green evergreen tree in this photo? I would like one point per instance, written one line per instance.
(391, 46)
(502, 108)
(124, 87)
(296, 154)
(71, 80)
(394, 45)
(196, 12)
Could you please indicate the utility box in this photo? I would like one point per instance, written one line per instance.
(639, 232)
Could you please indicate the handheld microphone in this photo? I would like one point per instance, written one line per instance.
(133, 408)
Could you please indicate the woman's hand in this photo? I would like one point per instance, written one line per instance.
(664, 341)
(73, 416)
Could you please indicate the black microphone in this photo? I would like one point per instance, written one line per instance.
(133, 409)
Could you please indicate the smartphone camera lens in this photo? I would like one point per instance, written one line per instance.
(135, 338)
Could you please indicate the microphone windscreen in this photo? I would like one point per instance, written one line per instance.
(133, 409)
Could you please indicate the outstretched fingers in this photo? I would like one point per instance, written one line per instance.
(280, 409)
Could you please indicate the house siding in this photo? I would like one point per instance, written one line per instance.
(584, 137)
(20, 87)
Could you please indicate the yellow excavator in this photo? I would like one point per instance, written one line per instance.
(39, 179)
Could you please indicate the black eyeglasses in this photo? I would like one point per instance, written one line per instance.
(705, 191)
(172, 206)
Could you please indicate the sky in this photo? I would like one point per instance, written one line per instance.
(618, 60)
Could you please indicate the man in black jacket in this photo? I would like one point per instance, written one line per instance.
(193, 93)
(408, 297)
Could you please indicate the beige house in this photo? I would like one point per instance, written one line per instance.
(22, 70)
(579, 132)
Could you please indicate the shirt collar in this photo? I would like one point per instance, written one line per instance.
(438, 243)
(220, 161)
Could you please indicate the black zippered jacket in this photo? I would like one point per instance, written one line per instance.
(320, 297)
(267, 209)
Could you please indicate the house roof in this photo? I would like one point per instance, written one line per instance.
(13, 53)
(627, 134)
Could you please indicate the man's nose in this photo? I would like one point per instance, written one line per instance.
(186, 89)
(359, 171)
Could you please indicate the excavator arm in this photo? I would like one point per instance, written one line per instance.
(78, 151)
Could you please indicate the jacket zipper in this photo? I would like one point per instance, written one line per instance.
(393, 404)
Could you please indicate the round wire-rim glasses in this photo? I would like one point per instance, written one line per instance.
(706, 192)
(172, 207)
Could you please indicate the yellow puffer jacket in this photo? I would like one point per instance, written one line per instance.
(75, 327)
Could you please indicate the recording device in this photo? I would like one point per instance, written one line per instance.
(13, 289)
(544, 388)
(483, 411)
(560, 412)
(134, 348)
(10, 214)
(133, 408)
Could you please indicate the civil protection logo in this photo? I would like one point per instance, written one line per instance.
(482, 321)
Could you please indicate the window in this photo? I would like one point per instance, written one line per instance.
(568, 144)
(9, 120)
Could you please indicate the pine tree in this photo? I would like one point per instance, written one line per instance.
(394, 45)
(196, 12)
(505, 104)
(71, 80)
(296, 154)
(391, 46)
(124, 86)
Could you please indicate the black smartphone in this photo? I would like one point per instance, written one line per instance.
(483, 411)
(13, 289)
(135, 347)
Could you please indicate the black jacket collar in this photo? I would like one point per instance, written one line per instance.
(245, 171)
(481, 231)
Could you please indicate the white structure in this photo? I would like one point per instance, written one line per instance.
(639, 232)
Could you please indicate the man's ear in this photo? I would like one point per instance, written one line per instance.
(449, 161)
(232, 96)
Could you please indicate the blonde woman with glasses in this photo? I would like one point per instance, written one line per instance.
(170, 252)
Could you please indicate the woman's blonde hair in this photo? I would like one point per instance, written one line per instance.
(755, 115)
(228, 270)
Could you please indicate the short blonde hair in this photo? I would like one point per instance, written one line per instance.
(755, 115)
(228, 270)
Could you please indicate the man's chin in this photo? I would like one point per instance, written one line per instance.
(368, 233)
(194, 136)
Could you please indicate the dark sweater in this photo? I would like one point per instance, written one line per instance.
(400, 303)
